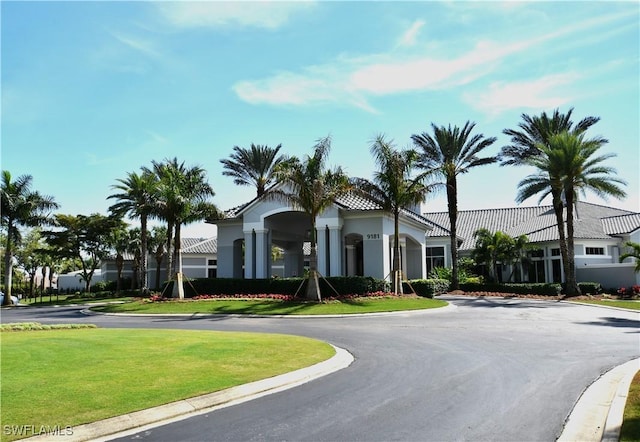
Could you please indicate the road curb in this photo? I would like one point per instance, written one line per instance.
(133, 422)
(597, 415)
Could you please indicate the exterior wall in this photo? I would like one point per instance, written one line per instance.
(228, 234)
(610, 276)
(610, 248)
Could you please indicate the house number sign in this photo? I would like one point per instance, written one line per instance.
(373, 236)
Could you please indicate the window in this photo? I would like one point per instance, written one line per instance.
(536, 253)
(212, 268)
(594, 250)
(555, 252)
(435, 258)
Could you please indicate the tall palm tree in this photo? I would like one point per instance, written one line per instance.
(395, 187)
(20, 207)
(183, 197)
(451, 152)
(137, 198)
(534, 131)
(309, 186)
(566, 166)
(254, 166)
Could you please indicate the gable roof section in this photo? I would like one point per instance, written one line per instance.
(200, 246)
(621, 224)
(592, 221)
(351, 201)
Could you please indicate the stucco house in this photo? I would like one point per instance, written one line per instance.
(354, 237)
(600, 234)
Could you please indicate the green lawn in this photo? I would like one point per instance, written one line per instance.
(69, 300)
(631, 426)
(633, 305)
(273, 307)
(70, 377)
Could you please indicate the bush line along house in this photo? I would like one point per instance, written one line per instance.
(355, 237)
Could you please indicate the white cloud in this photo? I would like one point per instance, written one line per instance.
(409, 37)
(259, 14)
(353, 80)
(137, 44)
(535, 94)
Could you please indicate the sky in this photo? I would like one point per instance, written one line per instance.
(94, 90)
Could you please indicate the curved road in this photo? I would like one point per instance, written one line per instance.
(487, 369)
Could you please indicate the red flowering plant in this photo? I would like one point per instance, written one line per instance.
(636, 289)
(622, 291)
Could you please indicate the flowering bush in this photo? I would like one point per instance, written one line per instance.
(277, 297)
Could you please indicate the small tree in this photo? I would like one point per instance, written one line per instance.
(85, 238)
(633, 252)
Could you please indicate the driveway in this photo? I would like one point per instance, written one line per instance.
(488, 369)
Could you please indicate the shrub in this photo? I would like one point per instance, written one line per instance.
(344, 285)
(430, 287)
(590, 288)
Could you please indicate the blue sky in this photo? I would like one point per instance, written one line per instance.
(93, 90)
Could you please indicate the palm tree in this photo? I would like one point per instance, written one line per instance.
(567, 166)
(394, 188)
(183, 198)
(157, 243)
(449, 153)
(535, 131)
(634, 252)
(255, 166)
(119, 241)
(309, 186)
(20, 207)
(137, 198)
(491, 248)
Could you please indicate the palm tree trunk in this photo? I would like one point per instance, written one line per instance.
(178, 287)
(169, 251)
(397, 271)
(572, 288)
(452, 205)
(558, 208)
(8, 266)
(144, 278)
(313, 285)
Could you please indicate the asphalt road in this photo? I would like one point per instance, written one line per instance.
(488, 369)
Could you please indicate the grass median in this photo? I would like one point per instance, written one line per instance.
(630, 305)
(69, 377)
(275, 307)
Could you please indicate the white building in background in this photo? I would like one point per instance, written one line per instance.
(600, 234)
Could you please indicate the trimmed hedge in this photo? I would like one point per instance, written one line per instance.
(429, 287)
(349, 285)
(343, 285)
(516, 288)
(590, 288)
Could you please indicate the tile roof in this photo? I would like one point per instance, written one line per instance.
(592, 221)
(616, 225)
(352, 201)
(190, 246)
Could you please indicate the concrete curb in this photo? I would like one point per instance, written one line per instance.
(447, 307)
(597, 415)
(137, 421)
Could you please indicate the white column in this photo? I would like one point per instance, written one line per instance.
(249, 254)
(263, 253)
(335, 251)
(321, 242)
